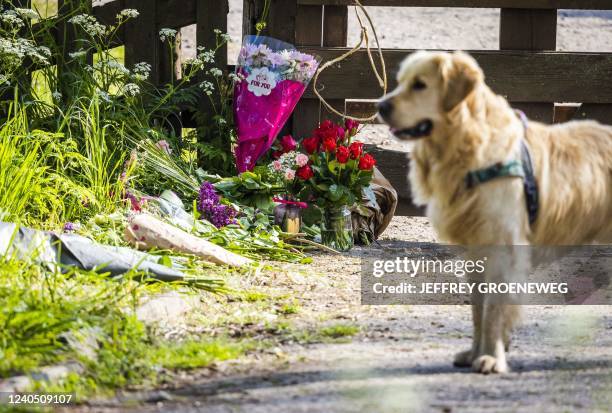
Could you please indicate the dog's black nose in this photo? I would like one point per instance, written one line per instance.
(385, 107)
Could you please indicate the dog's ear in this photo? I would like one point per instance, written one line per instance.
(460, 75)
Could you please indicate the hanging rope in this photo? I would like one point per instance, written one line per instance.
(382, 79)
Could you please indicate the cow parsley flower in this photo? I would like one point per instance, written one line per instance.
(206, 56)
(27, 13)
(131, 89)
(215, 72)
(77, 54)
(223, 36)
(207, 87)
(127, 14)
(105, 97)
(12, 19)
(142, 70)
(167, 34)
(89, 24)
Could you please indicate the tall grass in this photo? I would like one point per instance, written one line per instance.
(33, 185)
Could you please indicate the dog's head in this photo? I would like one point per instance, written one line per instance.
(430, 86)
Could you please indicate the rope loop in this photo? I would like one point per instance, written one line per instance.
(364, 38)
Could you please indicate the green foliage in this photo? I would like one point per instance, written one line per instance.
(40, 306)
(192, 354)
(34, 187)
(339, 331)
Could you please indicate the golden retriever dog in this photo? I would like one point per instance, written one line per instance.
(459, 125)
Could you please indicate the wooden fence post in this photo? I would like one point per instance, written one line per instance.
(142, 43)
(530, 29)
(308, 32)
(318, 26)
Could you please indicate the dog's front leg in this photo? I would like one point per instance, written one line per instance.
(492, 358)
(466, 358)
(500, 312)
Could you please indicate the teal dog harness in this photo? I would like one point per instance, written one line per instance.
(522, 168)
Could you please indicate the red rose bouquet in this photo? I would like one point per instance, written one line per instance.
(337, 171)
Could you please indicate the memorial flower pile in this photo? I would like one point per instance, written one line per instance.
(338, 167)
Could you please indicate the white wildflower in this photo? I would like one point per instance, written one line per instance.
(216, 72)
(14, 51)
(236, 77)
(167, 34)
(193, 63)
(78, 54)
(89, 24)
(112, 65)
(131, 89)
(223, 36)
(206, 56)
(57, 96)
(103, 96)
(142, 71)
(207, 87)
(128, 14)
(12, 19)
(27, 13)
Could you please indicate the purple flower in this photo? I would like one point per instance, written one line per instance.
(211, 208)
(71, 227)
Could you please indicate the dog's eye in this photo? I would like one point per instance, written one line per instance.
(418, 85)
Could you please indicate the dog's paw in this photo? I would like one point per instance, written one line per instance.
(486, 364)
(463, 359)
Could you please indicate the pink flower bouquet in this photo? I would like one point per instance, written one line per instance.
(274, 76)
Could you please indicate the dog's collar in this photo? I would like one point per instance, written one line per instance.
(522, 168)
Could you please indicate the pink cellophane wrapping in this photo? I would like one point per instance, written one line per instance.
(259, 119)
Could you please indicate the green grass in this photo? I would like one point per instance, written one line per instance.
(193, 354)
(47, 318)
(339, 331)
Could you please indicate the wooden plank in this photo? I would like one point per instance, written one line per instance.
(170, 13)
(179, 13)
(594, 111)
(519, 76)
(211, 15)
(394, 165)
(335, 34)
(281, 20)
(526, 29)
(519, 4)
(308, 32)
(142, 43)
(308, 25)
(362, 108)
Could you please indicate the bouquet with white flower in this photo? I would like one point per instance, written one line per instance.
(275, 76)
